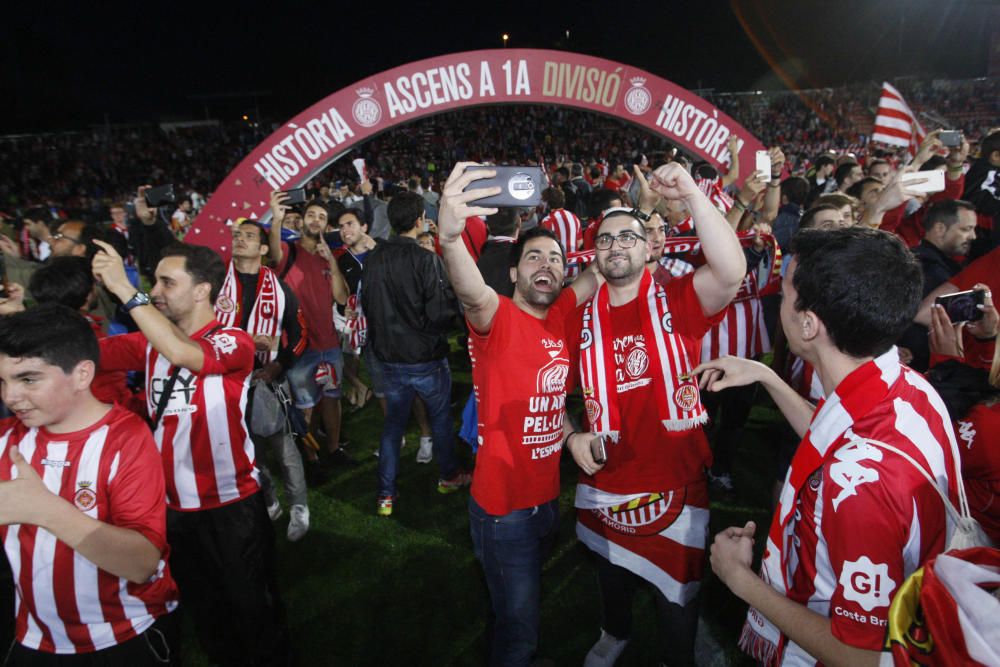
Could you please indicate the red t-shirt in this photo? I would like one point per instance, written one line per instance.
(111, 472)
(520, 374)
(309, 278)
(208, 457)
(108, 386)
(979, 442)
(647, 457)
(473, 236)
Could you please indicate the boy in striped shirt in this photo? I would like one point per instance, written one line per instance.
(81, 503)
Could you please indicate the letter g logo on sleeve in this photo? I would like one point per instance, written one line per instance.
(867, 583)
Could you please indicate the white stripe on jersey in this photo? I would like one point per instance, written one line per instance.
(217, 420)
(86, 585)
(44, 553)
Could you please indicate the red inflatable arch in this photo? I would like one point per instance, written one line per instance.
(328, 129)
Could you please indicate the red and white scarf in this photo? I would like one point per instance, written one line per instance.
(268, 306)
(678, 400)
(868, 386)
(357, 325)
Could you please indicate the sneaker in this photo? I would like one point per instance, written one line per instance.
(385, 505)
(340, 457)
(455, 483)
(605, 652)
(274, 511)
(426, 452)
(298, 525)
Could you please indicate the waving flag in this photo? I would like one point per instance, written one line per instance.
(895, 122)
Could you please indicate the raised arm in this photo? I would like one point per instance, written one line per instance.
(161, 333)
(478, 299)
(733, 175)
(717, 282)
(278, 209)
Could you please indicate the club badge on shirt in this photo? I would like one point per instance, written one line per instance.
(85, 498)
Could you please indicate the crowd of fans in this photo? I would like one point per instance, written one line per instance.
(673, 275)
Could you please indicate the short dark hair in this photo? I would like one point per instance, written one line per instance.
(858, 188)
(988, 145)
(601, 199)
(843, 171)
(806, 222)
(202, 263)
(517, 248)
(63, 280)
(824, 160)
(705, 170)
(318, 204)
(503, 222)
(876, 162)
(260, 228)
(51, 332)
(863, 284)
(946, 212)
(357, 213)
(554, 197)
(404, 210)
(795, 189)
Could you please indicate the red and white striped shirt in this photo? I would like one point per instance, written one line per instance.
(208, 457)
(742, 332)
(566, 227)
(110, 471)
(866, 520)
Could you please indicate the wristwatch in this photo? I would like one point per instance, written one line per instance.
(139, 299)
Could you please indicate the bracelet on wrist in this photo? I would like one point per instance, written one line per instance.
(565, 444)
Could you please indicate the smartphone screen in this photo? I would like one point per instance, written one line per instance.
(963, 306)
(764, 165)
(951, 138)
(933, 181)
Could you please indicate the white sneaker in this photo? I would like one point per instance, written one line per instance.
(298, 525)
(274, 511)
(605, 652)
(426, 452)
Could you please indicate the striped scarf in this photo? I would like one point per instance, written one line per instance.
(676, 394)
(868, 386)
(268, 308)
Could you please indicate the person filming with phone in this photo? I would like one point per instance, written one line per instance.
(521, 353)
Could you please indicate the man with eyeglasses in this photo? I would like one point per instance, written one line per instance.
(73, 238)
(644, 512)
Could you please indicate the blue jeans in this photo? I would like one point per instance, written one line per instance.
(302, 377)
(431, 380)
(511, 548)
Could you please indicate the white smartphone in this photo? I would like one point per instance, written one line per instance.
(933, 181)
(764, 165)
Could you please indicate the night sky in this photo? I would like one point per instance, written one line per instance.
(69, 65)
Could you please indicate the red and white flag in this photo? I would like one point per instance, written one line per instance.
(895, 122)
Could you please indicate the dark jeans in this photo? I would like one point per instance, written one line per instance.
(678, 624)
(431, 381)
(730, 408)
(511, 549)
(223, 562)
(155, 647)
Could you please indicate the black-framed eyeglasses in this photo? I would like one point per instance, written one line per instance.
(625, 240)
(60, 235)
